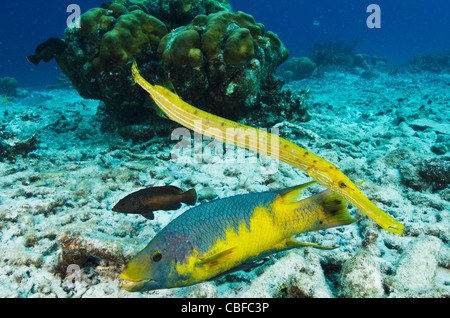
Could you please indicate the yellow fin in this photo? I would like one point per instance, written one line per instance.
(294, 194)
(167, 83)
(291, 243)
(211, 263)
(335, 209)
(360, 182)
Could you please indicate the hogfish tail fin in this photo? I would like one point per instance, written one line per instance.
(335, 209)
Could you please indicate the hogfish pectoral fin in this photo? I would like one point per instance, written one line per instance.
(212, 262)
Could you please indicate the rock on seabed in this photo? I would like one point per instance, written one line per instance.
(361, 277)
(416, 269)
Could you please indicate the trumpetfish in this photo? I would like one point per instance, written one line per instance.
(326, 173)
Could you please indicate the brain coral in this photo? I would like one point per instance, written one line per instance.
(97, 54)
(217, 59)
(134, 32)
(225, 58)
(239, 47)
(177, 13)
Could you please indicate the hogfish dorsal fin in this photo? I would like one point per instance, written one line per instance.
(294, 194)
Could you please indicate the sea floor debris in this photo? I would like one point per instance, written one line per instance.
(387, 129)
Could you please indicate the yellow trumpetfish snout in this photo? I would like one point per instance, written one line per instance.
(269, 144)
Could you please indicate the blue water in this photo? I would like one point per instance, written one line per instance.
(408, 28)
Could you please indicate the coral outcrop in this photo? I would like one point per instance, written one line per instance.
(298, 68)
(12, 145)
(133, 34)
(98, 52)
(421, 173)
(225, 58)
(421, 259)
(435, 63)
(176, 13)
(8, 85)
(217, 59)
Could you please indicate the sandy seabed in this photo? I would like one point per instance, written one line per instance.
(55, 202)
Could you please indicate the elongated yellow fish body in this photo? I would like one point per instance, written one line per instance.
(271, 145)
(229, 234)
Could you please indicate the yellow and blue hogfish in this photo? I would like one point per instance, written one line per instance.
(230, 234)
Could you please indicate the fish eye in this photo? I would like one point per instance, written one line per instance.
(156, 256)
(342, 185)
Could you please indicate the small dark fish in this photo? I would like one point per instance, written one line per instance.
(147, 200)
(47, 50)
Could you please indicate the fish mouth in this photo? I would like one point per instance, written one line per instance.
(116, 207)
(134, 286)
